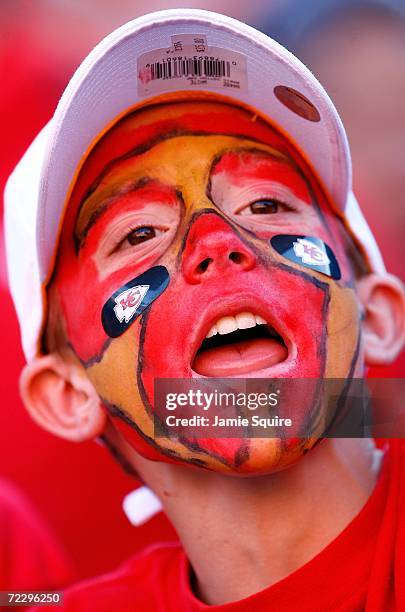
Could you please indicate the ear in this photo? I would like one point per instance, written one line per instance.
(60, 398)
(383, 301)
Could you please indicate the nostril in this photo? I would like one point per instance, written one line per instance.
(202, 267)
(236, 257)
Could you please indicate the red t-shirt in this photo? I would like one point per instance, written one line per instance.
(362, 569)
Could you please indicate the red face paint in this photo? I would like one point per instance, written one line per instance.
(202, 201)
(197, 299)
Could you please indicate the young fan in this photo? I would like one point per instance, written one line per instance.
(187, 213)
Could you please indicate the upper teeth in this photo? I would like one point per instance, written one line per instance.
(243, 320)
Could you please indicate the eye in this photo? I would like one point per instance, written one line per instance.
(141, 234)
(264, 207)
(134, 236)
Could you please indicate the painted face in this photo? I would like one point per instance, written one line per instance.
(202, 189)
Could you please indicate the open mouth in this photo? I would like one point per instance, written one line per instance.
(237, 345)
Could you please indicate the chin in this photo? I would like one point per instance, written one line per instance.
(242, 457)
(264, 456)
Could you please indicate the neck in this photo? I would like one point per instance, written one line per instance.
(260, 529)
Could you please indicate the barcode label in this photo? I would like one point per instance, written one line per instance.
(188, 64)
(176, 67)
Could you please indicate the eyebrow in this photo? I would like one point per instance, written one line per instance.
(274, 155)
(100, 207)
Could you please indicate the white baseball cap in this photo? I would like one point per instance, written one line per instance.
(162, 52)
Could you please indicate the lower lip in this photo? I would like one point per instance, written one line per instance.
(240, 358)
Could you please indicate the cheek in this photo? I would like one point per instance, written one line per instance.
(82, 296)
(316, 228)
(114, 376)
(343, 334)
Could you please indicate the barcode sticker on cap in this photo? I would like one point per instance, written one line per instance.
(190, 63)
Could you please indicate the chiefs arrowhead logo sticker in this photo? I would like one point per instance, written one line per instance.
(307, 251)
(310, 253)
(129, 301)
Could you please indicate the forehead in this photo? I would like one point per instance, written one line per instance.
(185, 163)
(141, 130)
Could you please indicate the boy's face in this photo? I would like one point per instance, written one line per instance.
(201, 188)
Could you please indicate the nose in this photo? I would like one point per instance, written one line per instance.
(212, 247)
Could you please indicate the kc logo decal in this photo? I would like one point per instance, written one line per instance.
(130, 301)
(310, 253)
(307, 251)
